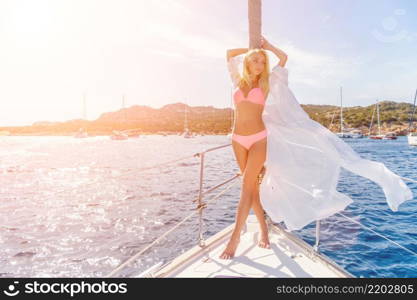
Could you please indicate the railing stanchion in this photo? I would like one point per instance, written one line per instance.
(200, 202)
(316, 245)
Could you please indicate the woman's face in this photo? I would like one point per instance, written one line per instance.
(256, 63)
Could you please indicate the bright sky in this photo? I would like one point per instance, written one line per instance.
(163, 51)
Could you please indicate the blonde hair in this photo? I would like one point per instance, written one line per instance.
(263, 81)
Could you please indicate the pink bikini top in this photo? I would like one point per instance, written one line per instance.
(255, 95)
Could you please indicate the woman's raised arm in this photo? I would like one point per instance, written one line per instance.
(233, 64)
(278, 52)
(233, 52)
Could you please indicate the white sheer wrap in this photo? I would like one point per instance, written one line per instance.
(304, 159)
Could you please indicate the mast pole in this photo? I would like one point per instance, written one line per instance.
(379, 127)
(255, 23)
(84, 106)
(341, 111)
(412, 115)
(372, 120)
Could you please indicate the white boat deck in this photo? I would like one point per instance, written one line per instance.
(289, 256)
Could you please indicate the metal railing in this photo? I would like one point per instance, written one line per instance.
(201, 205)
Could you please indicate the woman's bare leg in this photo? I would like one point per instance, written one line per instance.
(241, 154)
(259, 212)
(255, 160)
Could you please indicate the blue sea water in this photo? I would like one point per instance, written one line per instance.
(364, 253)
(80, 207)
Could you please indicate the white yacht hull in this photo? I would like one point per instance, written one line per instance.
(289, 256)
(412, 140)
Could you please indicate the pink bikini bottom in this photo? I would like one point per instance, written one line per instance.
(248, 140)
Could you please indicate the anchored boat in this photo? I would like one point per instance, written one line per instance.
(412, 138)
(390, 136)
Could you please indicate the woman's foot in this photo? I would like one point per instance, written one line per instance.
(229, 252)
(264, 240)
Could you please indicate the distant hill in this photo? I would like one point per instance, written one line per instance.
(210, 120)
(393, 116)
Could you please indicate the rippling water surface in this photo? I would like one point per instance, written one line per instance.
(80, 207)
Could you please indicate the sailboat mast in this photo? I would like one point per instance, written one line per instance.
(84, 106)
(379, 126)
(372, 120)
(341, 111)
(185, 118)
(414, 110)
(123, 107)
(331, 122)
(255, 23)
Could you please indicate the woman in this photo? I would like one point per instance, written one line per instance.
(249, 136)
(302, 158)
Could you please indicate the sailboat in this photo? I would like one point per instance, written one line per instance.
(118, 134)
(356, 133)
(379, 136)
(81, 132)
(187, 133)
(412, 136)
(390, 136)
(131, 133)
(342, 134)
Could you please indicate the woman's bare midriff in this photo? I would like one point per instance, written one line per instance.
(248, 118)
